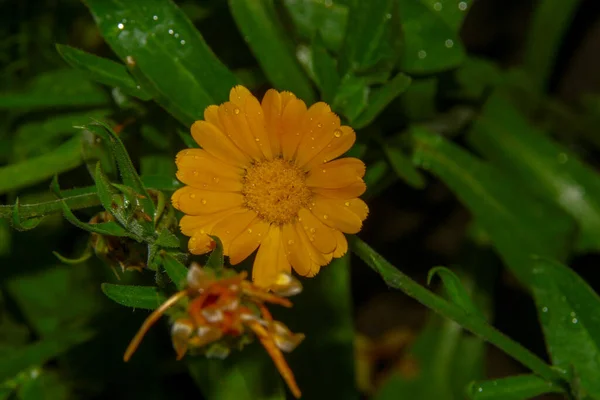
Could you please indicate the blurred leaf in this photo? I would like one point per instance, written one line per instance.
(371, 38)
(352, 96)
(324, 68)
(216, 259)
(161, 182)
(455, 290)
(41, 352)
(313, 18)
(167, 239)
(326, 297)
(377, 178)
(476, 75)
(128, 172)
(398, 280)
(176, 271)
(403, 167)
(542, 43)
(259, 23)
(43, 385)
(418, 101)
(58, 88)
(569, 312)
(430, 45)
(160, 165)
(521, 387)
(23, 224)
(503, 135)
(5, 238)
(102, 70)
(380, 98)
(158, 139)
(165, 53)
(518, 223)
(146, 297)
(453, 12)
(63, 158)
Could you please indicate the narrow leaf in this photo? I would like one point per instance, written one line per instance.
(324, 68)
(454, 290)
(403, 167)
(176, 271)
(521, 387)
(146, 297)
(167, 239)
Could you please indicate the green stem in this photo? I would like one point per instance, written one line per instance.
(396, 279)
(75, 199)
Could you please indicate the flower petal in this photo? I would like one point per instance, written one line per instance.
(232, 226)
(211, 115)
(338, 146)
(272, 109)
(317, 258)
(270, 259)
(291, 127)
(333, 213)
(197, 168)
(238, 95)
(256, 122)
(347, 192)
(189, 224)
(320, 127)
(200, 243)
(341, 247)
(245, 244)
(213, 140)
(200, 202)
(296, 253)
(319, 234)
(337, 173)
(236, 128)
(358, 207)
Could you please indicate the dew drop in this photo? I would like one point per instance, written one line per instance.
(312, 230)
(462, 6)
(324, 170)
(196, 157)
(544, 309)
(250, 230)
(256, 139)
(290, 242)
(176, 35)
(121, 26)
(155, 18)
(562, 158)
(216, 180)
(574, 320)
(312, 138)
(337, 133)
(182, 42)
(449, 43)
(319, 125)
(203, 201)
(325, 216)
(227, 232)
(422, 54)
(324, 160)
(171, 31)
(192, 195)
(195, 173)
(236, 111)
(347, 204)
(437, 6)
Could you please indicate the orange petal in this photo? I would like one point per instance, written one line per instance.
(211, 115)
(319, 234)
(236, 128)
(296, 253)
(197, 168)
(256, 121)
(270, 259)
(238, 95)
(358, 207)
(189, 224)
(320, 127)
(341, 247)
(200, 243)
(333, 213)
(200, 202)
(232, 226)
(272, 109)
(213, 140)
(245, 244)
(337, 173)
(291, 127)
(316, 257)
(347, 192)
(342, 142)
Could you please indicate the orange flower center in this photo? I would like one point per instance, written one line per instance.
(276, 190)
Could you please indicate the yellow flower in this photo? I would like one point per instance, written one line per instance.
(266, 177)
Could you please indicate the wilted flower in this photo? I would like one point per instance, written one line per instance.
(266, 177)
(220, 308)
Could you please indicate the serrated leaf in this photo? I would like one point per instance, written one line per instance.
(102, 70)
(23, 225)
(216, 260)
(176, 271)
(146, 297)
(454, 290)
(167, 239)
(259, 23)
(379, 98)
(521, 387)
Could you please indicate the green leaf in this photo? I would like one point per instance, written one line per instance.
(259, 23)
(41, 352)
(569, 312)
(452, 12)
(547, 168)
(380, 98)
(63, 158)
(313, 18)
(540, 52)
(215, 259)
(167, 239)
(176, 271)
(23, 225)
(403, 167)
(324, 68)
(398, 280)
(110, 228)
(454, 290)
(518, 223)
(128, 173)
(520, 387)
(146, 297)
(58, 88)
(352, 96)
(152, 135)
(326, 297)
(165, 183)
(102, 70)
(371, 37)
(165, 53)
(43, 385)
(430, 45)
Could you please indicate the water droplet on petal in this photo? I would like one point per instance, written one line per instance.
(337, 133)
(347, 204)
(319, 125)
(236, 111)
(290, 242)
(250, 230)
(203, 201)
(216, 179)
(192, 195)
(325, 216)
(257, 139)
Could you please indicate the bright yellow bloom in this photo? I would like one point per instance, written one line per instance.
(266, 178)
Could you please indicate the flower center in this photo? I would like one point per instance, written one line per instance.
(276, 190)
